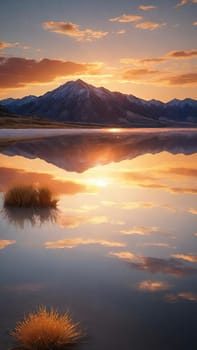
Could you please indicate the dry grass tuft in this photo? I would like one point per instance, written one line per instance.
(46, 330)
(28, 196)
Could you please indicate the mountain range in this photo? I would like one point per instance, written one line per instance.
(81, 103)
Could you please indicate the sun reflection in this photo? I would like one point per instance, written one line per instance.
(115, 130)
(98, 182)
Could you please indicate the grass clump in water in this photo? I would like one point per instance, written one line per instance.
(28, 196)
(46, 330)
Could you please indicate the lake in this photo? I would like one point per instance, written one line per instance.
(120, 253)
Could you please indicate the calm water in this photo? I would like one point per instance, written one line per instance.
(121, 252)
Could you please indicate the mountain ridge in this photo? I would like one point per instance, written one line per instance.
(79, 102)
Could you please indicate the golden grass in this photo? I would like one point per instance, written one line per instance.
(28, 196)
(46, 330)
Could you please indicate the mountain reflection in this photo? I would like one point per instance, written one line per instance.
(79, 152)
(20, 216)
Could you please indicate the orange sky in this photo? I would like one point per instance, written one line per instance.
(145, 49)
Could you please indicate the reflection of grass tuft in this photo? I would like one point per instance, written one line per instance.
(44, 330)
(28, 196)
(34, 216)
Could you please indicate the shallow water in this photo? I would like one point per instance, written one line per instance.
(121, 251)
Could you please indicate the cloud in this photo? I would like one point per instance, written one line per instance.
(72, 30)
(154, 265)
(141, 230)
(75, 242)
(5, 242)
(173, 298)
(10, 177)
(188, 79)
(182, 54)
(133, 74)
(126, 18)
(146, 7)
(194, 23)
(142, 61)
(5, 45)
(187, 257)
(16, 72)
(185, 2)
(156, 286)
(150, 25)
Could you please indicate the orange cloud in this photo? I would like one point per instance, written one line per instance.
(194, 23)
(5, 45)
(72, 30)
(143, 61)
(150, 25)
(126, 18)
(187, 257)
(75, 242)
(146, 7)
(133, 74)
(185, 2)
(182, 54)
(156, 286)
(188, 79)
(18, 72)
(5, 242)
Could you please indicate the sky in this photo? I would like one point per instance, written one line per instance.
(144, 48)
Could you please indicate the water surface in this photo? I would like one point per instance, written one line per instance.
(121, 251)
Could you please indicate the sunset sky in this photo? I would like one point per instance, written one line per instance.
(144, 48)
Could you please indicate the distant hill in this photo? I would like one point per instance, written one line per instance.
(79, 102)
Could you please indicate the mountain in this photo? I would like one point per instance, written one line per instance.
(80, 151)
(79, 102)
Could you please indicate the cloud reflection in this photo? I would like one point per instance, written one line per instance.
(153, 286)
(33, 216)
(141, 230)
(173, 298)
(5, 242)
(187, 257)
(154, 265)
(75, 242)
(10, 177)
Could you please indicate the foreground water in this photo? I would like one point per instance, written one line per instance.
(121, 251)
